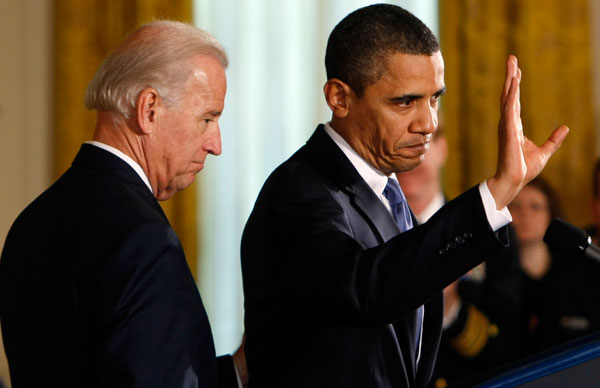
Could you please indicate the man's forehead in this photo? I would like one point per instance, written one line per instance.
(405, 72)
(415, 65)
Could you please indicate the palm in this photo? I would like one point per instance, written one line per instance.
(535, 159)
(519, 159)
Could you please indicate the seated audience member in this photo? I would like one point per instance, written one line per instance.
(595, 204)
(560, 294)
(480, 308)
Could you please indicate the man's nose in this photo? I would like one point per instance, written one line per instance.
(427, 119)
(212, 145)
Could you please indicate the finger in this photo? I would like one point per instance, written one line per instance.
(511, 104)
(555, 140)
(518, 76)
(511, 65)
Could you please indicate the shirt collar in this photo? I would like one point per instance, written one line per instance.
(374, 178)
(136, 167)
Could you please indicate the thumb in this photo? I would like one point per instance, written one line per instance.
(555, 140)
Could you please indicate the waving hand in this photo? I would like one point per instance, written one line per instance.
(519, 159)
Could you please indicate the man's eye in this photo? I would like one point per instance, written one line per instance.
(538, 207)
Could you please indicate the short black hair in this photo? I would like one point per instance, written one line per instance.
(359, 45)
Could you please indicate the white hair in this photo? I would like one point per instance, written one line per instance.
(156, 55)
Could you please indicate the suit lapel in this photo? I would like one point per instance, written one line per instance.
(370, 205)
(332, 159)
(341, 170)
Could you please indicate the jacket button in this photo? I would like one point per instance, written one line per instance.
(468, 235)
(443, 251)
(451, 245)
(459, 240)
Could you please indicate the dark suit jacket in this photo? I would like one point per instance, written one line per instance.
(331, 287)
(95, 290)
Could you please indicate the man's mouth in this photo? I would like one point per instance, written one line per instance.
(418, 148)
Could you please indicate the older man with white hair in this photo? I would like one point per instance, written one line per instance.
(94, 286)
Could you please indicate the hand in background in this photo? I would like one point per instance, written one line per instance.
(239, 360)
(451, 302)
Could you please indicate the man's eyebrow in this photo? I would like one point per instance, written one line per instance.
(411, 97)
(440, 92)
(215, 114)
(406, 97)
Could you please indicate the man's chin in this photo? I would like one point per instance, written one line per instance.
(185, 181)
(407, 165)
(179, 183)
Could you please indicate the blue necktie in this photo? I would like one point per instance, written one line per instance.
(398, 204)
(401, 214)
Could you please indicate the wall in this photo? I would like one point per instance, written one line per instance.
(25, 109)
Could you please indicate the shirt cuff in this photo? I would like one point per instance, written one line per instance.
(496, 218)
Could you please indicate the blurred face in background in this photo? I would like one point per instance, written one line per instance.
(596, 211)
(531, 215)
(596, 205)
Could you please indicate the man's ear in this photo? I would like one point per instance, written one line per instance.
(146, 110)
(337, 95)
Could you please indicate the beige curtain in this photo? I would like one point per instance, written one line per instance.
(84, 34)
(551, 39)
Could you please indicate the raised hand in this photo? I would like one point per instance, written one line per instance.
(519, 159)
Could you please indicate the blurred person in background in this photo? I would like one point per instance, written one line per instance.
(593, 229)
(560, 294)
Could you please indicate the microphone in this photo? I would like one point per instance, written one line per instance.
(570, 240)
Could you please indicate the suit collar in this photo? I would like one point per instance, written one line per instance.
(126, 158)
(330, 157)
(374, 178)
(95, 158)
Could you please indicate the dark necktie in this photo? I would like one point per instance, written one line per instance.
(401, 214)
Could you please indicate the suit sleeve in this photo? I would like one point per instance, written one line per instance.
(151, 327)
(326, 274)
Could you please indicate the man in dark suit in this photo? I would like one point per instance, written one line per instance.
(94, 287)
(336, 295)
